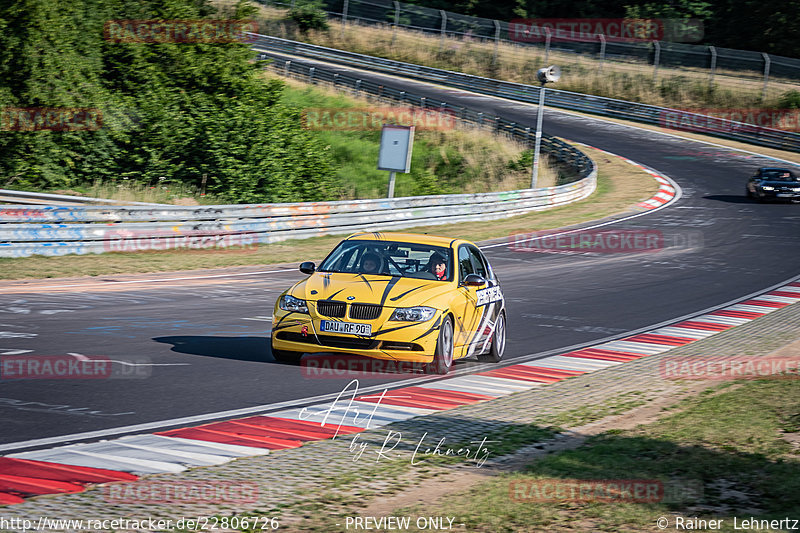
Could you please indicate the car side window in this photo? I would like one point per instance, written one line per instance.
(465, 267)
(477, 262)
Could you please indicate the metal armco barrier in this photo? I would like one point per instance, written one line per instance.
(247, 224)
(648, 114)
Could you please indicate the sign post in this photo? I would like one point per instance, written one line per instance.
(394, 154)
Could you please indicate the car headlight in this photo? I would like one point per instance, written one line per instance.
(796, 189)
(413, 314)
(768, 188)
(290, 303)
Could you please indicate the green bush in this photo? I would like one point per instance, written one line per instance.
(177, 111)
(309, 16)
(789, 100)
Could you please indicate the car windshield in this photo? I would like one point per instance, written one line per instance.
(389, 258)
(775, 174)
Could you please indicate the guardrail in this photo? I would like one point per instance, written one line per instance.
(648, 114)
(38, 198)
(49, 230)
(219, 226)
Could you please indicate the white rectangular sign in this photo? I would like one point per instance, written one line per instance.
(395, 151)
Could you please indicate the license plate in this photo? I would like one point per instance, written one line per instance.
(351, 328)
(784, 195)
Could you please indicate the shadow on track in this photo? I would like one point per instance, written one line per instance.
(233, 348)
(742, 199)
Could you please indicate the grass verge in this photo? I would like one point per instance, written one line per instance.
(620, 185)
(447, 161)
(715, 459)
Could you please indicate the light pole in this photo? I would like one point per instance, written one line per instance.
(545, 75)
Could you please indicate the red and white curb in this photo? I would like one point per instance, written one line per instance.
(71, 468)
(667, 190)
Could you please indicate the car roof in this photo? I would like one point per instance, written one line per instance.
(415, 238)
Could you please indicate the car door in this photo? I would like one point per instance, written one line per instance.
(466, 304)
(488, 304)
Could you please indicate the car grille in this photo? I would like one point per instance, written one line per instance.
(347, 342)
(354, 343)
(365, 311)
(331, 308)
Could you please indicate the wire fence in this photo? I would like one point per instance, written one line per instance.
(754, 77)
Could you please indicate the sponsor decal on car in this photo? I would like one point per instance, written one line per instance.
(488, 295)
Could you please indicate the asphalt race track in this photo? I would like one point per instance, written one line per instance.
(196, 348)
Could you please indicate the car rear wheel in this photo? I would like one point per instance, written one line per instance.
(443, 357)
(498, 346)
(284, 356)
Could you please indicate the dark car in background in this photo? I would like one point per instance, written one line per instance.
(769, 183)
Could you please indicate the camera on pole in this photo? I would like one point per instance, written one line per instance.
(549, 74)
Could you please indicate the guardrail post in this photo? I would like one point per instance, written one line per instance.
(496, 41)
(656, 59)
(766, 76)
(480, 119)
(357, 87)
(286, 68)
(344, 15)
(713, 52)
(528, 136)
(396, 21)
(547, 36)
(602, 51)
(422, 102)
(402, 96)
(311, 74)
(335, 77)
(496, 123)
(444, 29)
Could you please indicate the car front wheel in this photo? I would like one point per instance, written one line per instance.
(443, 357)
(498, 346)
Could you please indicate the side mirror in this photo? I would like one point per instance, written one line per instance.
(474, 280)
(308, 267)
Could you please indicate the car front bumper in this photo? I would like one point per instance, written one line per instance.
(391, 340)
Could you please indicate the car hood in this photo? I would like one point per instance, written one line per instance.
(392, 291)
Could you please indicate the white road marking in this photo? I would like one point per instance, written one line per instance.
(127, 363)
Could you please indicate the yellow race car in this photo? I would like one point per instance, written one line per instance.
(396, 296)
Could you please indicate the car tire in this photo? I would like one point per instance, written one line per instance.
(283, 356)
(443, 357)
(498, 346)
(748, 193)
